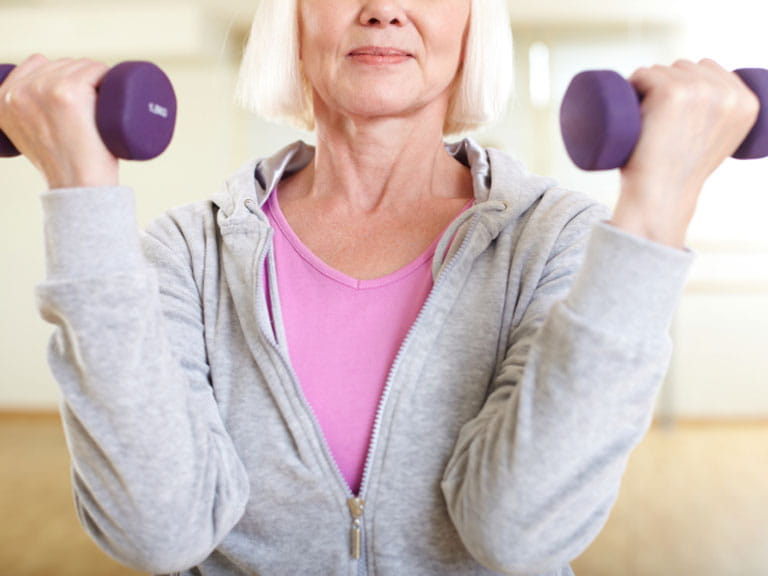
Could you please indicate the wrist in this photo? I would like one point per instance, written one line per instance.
(670, 236)
(662, 215)
(104, 174)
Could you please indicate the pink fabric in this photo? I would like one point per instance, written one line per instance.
(343, 335)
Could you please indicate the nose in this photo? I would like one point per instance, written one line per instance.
(383, 13)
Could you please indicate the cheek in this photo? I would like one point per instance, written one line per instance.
(450, 33)
(321, 23)
(311, 50)
(311, 23)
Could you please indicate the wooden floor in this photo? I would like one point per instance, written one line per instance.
(694, 502)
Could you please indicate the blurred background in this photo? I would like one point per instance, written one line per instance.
(695, 497)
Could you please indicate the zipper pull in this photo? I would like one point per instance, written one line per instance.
(356, 508)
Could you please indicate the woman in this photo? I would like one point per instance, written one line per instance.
(381, 355)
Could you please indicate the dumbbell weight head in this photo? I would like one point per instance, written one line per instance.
(600, 119)
(135, 111)
(755, 145)
(7, 149)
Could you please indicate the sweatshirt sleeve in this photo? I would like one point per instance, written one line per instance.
(157, 481)
(533, 477)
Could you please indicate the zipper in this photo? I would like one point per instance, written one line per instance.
(356, 503)
(399, 357)
(356, 508)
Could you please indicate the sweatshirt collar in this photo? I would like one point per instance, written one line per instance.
(500, 182)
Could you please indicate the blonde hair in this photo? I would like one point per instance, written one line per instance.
(271, 82)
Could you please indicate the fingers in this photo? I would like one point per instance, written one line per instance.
(47, 109)
(695, 105)
(40, 78)
(702, 87)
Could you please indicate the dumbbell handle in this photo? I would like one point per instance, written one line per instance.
(600, 119)
(135, 111)
(7, 149)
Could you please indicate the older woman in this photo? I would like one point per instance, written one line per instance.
(381, 355)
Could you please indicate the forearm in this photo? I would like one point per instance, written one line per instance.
(533, 478)
(157, 479)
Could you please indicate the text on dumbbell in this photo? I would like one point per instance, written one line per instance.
(158, 110)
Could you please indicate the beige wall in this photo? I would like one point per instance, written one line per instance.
(724, 319)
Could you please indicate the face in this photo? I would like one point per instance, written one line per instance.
(381, 58)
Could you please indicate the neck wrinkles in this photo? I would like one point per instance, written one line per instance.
(375, 164)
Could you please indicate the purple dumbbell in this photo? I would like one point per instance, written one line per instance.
(600, 119)
(135, 111)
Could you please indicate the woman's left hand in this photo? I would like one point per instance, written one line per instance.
(694, 116)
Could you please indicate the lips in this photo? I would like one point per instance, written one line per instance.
(379, 52)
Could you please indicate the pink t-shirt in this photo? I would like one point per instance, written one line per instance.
(343, 335)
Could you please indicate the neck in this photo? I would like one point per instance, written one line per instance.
(380, 163)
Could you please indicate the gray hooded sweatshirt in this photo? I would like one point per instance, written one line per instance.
(502, 435)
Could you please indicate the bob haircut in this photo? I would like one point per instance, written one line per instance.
(272, 84)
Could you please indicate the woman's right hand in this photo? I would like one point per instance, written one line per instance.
(47, 109)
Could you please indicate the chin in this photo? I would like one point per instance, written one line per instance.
(380, 100)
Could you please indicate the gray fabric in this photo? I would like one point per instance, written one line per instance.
(508, 418)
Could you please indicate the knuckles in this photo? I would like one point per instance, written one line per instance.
(41, 85)
(702, 88)
(42, 100)
(749, 104)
